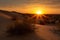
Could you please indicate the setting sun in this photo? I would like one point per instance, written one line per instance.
(39, 12)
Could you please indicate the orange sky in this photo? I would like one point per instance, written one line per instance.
(30, 6)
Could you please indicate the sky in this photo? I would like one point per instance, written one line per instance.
(28, 6)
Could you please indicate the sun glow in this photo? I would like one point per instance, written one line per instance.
(39, 12)
(38, 15)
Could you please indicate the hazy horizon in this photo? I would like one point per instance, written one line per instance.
(28, 6)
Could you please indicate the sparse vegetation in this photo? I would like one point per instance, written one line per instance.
(56, 30)
(20, 28)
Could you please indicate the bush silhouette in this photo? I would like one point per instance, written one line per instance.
(20, 28)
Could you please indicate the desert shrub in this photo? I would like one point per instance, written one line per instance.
(20, 28)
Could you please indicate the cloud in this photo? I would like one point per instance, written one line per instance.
(21, 2)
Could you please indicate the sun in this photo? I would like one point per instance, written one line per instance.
(38, 15)
(39, 12)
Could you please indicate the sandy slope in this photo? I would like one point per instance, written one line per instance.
(42, 32)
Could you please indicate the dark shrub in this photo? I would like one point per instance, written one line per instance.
(20, 29)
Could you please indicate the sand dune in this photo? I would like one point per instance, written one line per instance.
(42, 32)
